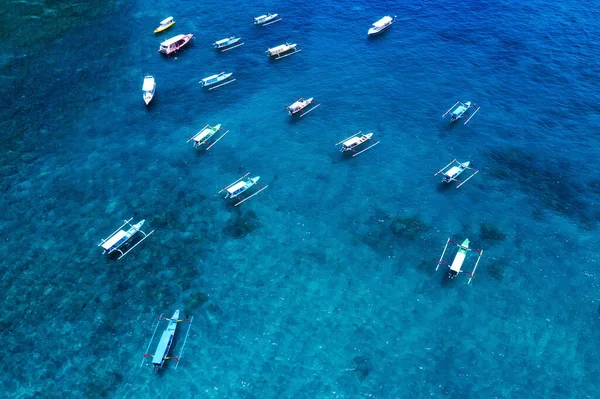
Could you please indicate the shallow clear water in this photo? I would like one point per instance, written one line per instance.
(324, 285)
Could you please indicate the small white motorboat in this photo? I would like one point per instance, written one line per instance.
(459, 110)
(267, 19)
(205, 134)
(454, 169)
(215, 79)
(161, 355)
(381, 25)
(119, 238)
(148, 88)
(228, 43)
(459, 258)
(239, 186)
(354, 141)
(282, 51)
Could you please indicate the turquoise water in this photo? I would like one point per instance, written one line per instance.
(324, 285)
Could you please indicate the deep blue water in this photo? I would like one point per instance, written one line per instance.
(324, 285)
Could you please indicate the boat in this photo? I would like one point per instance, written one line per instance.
(173, 44)
(356, 140)
(267, 19)
(119, 239)
(205, 134)
(214, 79)
(300, 105)
(228, 43)
(454, 169)
(165, 24)
(459, 110)
(241, 185)
(148, 88)
(381, 25)
(459, 259)
(161, 354)
(279, 51)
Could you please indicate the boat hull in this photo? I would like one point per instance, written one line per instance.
(164, 28)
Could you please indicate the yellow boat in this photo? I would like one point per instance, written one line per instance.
(165, 24)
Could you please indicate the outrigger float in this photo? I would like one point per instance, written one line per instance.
(227, 44)
(239, 186)
(205, 134)
(459, 259)
(300, 105)
(161, 355)
(282, 51)
(214, 79)
(455, 169)
(118, 240)
(268, 19)
(459, 110)
(350, 143)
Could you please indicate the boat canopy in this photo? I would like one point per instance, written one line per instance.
(172, 40)
(205, 132)
(236, 187)
(453, 171)
(108, 244)
(166, 21)
(353, 141)
(383, 22)
(458, 260)
(212, 77)
(148, 83)
(223, 40)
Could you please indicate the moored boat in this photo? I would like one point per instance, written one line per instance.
(356, 140)
(454, 169)
(267, 19)
(165, 24)
(239, 186)
(217, 78)
(164, 345)
(283, 50)
(381, 25)
(228, 43)
(119, 239)
(173, 44)
(149, 87)
(300, 105)
(205, 134)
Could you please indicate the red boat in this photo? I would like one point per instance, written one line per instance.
(175, 43)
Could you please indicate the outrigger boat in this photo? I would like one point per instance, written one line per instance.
(119, 238)
(148, 88)
(350, 143)
(268, 19)
(228, 43)
(165, 24)
(214, 79)
(173, 44)
(455, 169)
(300, 105)
(459, 109)
(205, 134)
(166, 340)
(239, 186)
(381, 25)
(282, 51)
(459, 259)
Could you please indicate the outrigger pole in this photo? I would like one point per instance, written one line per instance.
(191, 138)
(441, 170)
(226, 187)
(450, 109)
(361, 151)
(348, 138)
(476, 263)
(442, 257)
(287, 55)
(304, 113)
(232, 47)
(136, 244)
(146, 354)
(185, 340)
(223, 135)
(271, 22)
(247, 198)
(222, 84)
(473, 114)
(463, 182)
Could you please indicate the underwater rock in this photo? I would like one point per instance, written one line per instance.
(407, 227)
(491, 232)
(363, 367)
(241, 225)
(197, 299)
(496, 271)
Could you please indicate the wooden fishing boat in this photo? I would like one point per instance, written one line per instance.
(267, 19)
(119, 239)
(459, 259)
(300, 105)
(353, 142)
(165, 24)
(173, 44)
(454, 169)
(228, 43)
(241, 185)
(205, 134)
(459, 110)
(161, 354)
(148, 88)
(381, 25)
(216, 80)
(282, 51)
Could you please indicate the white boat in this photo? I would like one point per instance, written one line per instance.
(354, 141)
(381, 25)
(454, 169)
(161, 354)
(283, 50)
(148, 88)
(459, 259)
(205, 134)
(120, 238)
(267, 19)
(239, 186)
(165, 24)
(300, 105)
(459, 110)
(228, 43)
(218, 78)
(173, 44)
